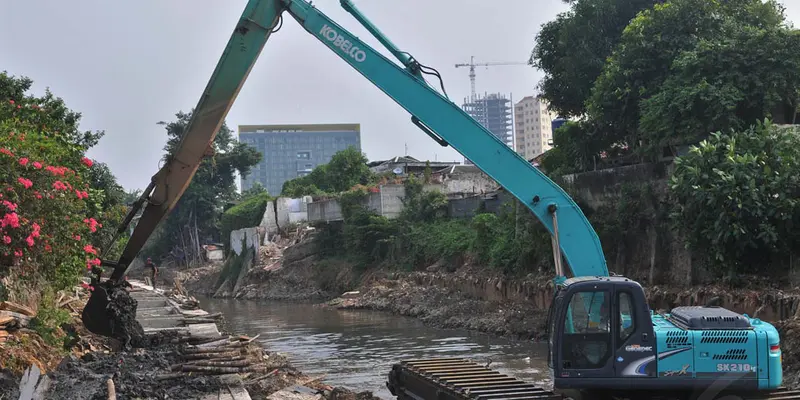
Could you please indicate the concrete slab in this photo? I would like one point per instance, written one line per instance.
(161, 322)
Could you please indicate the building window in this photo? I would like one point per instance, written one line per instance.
(304, 155)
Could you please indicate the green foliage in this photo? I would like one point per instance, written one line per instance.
(346, 169)
(736, 196)
(650, 45)
(572, 49)
(420, 205)
(246, 214)
(723, 84)
(49, 318)
(50, 198)
(256, 190)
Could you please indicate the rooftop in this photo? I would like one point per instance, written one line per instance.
(298, 128)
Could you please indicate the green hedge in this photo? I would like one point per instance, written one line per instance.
(246, 214)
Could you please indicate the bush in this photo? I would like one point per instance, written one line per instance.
(44, 198)
(246, 214)
(736, 196)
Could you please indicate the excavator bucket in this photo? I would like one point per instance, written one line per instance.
(111, 312)
(95, 315)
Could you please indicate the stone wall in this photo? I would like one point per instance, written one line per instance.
(657, 255)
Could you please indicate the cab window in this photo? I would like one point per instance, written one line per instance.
(586, 343)
(627, 322)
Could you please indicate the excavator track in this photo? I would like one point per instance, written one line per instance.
(458, 379)
(462, 379)
(778, 394)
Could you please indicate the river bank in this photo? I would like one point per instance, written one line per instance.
(173, 362)
(476, 298)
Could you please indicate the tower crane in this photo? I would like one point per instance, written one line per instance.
(472, 66)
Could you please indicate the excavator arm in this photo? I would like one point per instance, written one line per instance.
(431, 111)
(448, 124)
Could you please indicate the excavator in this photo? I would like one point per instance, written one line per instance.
(604, 341)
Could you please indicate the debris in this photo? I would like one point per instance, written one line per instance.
(112, 393)
(9, 306)
(14, 320)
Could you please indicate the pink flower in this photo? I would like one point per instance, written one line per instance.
(89, 249)
(29, 241)
(56, 170)
(10, 219)
(58, 185)
(25, 182)
(7, 152)
(23, 161)
(6, 239)
(37, 165)
(18, 253)
(77, 237)
(87, 161)
(92, 223)
(9, 205)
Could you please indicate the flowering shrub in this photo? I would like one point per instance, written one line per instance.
(44, 199)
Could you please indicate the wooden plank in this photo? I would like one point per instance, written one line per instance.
(17, 308)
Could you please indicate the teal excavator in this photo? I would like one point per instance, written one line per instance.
(604, 341)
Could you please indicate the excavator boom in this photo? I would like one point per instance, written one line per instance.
(252, 31)
(431, 111)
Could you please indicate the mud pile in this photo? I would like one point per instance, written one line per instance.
(136, 374)
(111, 312)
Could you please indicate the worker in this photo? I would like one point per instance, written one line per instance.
(153, 270)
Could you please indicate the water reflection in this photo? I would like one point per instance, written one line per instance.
(357, 348)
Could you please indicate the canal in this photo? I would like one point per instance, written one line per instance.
(356, 349)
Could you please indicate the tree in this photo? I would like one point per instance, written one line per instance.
(642, 60)
(196, 215)
(48, 203)
(346, 169)
(725, 84)
(256, 190)
(572, 49)
(737, 196)
(111, 209)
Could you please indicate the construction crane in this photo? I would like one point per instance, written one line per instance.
(472, 66)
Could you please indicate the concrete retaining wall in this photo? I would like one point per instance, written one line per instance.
(248, 235)
(283, 212)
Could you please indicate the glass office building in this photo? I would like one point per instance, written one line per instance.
(291, 151)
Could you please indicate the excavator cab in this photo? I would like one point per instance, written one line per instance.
(600, 335)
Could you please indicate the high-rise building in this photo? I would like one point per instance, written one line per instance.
(533, 130)
(493, 111)
(291, 151)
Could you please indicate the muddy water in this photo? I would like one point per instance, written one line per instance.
(356, 349)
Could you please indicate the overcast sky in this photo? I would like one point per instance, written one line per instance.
(127, 65)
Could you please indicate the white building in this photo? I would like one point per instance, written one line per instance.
(533, 132)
